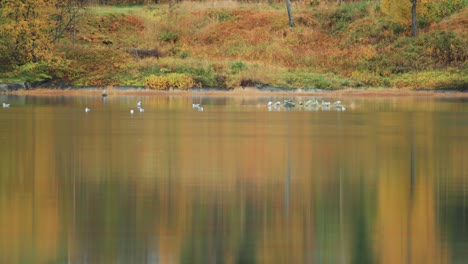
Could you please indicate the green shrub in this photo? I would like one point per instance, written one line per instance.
(172, 80)
(426, 52)
(40, 71)
(431, 79)
(370, 79)
(237, 67)
(207, 77)
(33, 72)
(398, 28)
(183, 54)
(169, 36)
(445, 47)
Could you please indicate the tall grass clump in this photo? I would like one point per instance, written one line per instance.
(172, 80)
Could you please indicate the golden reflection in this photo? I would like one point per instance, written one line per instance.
(178, 186)
(406, 227)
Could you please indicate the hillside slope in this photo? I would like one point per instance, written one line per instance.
(227, 44)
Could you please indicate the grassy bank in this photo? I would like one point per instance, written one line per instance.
(230, 44)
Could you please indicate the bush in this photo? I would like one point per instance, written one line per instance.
(34, 72)
(237, 67)
(172, 80)
(169, 36)
(431, 79)
(445, 47)
(370, 79)
(426, 52)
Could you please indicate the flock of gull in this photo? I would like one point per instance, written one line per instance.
(290, 103)
(132, 111)
(309, 105)
(139, 108)
(286, 104)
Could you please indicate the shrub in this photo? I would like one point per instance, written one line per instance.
(34, 72)
(169, 36)
(237, 67)
(172, 80)
(431, 79)
(426, 52)
(445, 47)
(370, 79)
(183, 54)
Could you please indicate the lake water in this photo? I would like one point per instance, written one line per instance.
(385, 181)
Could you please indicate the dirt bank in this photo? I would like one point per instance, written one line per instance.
(243, 92)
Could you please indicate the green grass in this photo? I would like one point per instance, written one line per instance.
(440, 80)
(118, 10)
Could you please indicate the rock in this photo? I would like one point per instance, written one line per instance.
(8, 87)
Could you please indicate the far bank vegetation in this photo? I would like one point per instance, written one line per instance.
(184, 44)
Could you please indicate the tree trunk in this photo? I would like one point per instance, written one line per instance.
(291, 19)
(414, 23)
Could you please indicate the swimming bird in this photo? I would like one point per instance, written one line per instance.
(308, 102)
(340, 108)
(326, 104)
(104, 93)
(132, 111)
(139, 104)
(270, 103)
(87, 110)
(141, 109)
(315, 103)
(337, 103)
(5, 105)
(289, 103)
(198, 107)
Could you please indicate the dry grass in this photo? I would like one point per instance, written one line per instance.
(456, 23)
(206, 37)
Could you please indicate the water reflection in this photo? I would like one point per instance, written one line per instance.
(383, 182)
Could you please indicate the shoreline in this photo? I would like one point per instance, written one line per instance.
(250, 92)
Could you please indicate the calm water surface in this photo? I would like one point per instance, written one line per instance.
(385, 181)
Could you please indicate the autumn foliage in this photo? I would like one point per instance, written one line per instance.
(173, 80)
(27, 30)
(359, 43)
